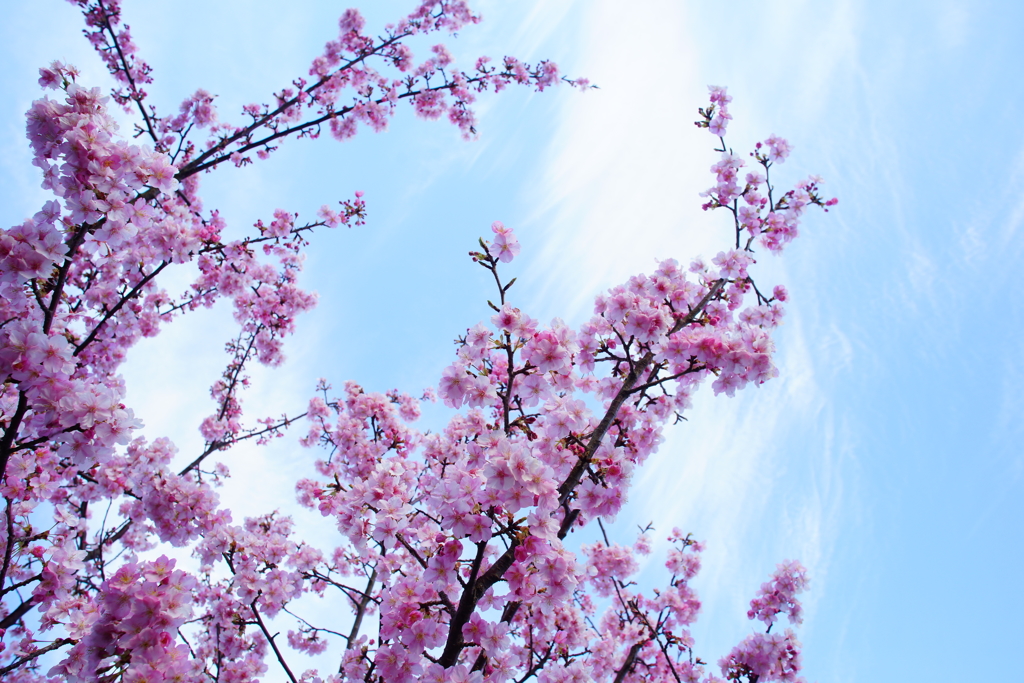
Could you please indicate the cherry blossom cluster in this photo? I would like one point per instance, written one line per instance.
(132, 633)
(358, 79)
(114, 44)
(716, 117)
(457, 538)
(778, 596)
(84, 494)
(452, 560)
(750, 197)
(771, 656)
(764, 657)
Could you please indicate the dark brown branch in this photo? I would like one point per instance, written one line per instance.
(194, 167)
(117, 307)
(237, 372)
(12, 432)
(475, 590)
(59, 643)
(197, 165)
(20, 611)
(21, 584)
(270, 639)
(627, 666)
(628, 385)
(9, 542)
(97, 552)
(136, 93)
(215, 446)
(28, 445)
(62, 274)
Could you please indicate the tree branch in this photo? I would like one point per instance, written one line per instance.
(270, 639)
(59, 643)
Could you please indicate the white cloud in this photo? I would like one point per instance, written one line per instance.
(623, 173)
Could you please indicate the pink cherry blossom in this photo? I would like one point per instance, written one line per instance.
(451, 558)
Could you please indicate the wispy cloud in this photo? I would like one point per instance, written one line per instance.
(619, 186)
(759, 476)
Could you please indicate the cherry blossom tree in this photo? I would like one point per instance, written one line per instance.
(451, 560)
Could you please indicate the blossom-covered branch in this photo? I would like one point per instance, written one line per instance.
(452, 559)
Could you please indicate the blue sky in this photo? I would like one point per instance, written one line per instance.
(886, 457)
